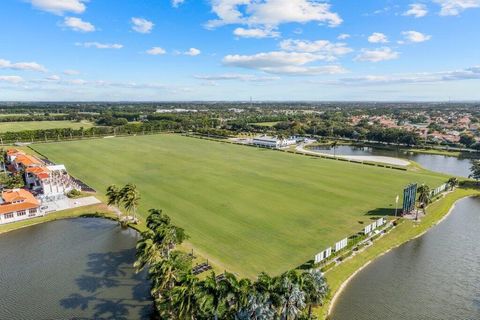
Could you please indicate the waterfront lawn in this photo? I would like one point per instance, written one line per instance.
(42, 125)
(97, 210)
(246, 209)
(407, 230)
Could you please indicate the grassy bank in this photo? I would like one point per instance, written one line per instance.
(97, 210)
(404, 232)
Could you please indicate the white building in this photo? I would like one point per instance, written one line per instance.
(17, 205)
(50, 180)
(272, 142)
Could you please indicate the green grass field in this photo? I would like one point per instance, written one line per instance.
(37, 125)
(246, 209)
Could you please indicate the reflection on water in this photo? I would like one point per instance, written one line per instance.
(72, 269)
(435, 276)
(449, 165)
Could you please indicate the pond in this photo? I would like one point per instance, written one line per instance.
(445, 164)
(72, 269)
(435, 276)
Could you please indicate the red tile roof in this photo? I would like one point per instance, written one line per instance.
(27, 199)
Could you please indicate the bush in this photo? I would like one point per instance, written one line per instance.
(74, 193)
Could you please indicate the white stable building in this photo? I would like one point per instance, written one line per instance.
(273, 142)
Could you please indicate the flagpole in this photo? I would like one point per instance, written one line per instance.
(396, 206)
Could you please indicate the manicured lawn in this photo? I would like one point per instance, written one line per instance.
(36, 125)
(264, 124)
(246, 209)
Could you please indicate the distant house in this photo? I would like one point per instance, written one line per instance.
(18, 204)
(272, 142)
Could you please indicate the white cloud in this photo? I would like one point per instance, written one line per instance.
(471, 73)
(99, 45)
(377, 37)
(59, 6)
(53, 77)
(455, 7)
(192, 52)
(236, 76)
(71, 72)
(415, 36)
(343, 36)
(416, 10)
(78, 24)
(328, 50)
(176, 3)
(256, 33)
(377, 55)
(281, 62)
(28, 66)
(11, 79)
(156, 51)
(272, 12)
(142, 25)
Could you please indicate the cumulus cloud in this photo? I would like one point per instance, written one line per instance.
(256, 33)
(471, 73)
(455, 7)
(329, 51)
(11, 79)
(192, 52)
(272, 12)
(28, 66)
(141, 25)
(377, 55)
(236, 76)
(343, 36)
(281, 62)
(415, 36)
(377, 37)
(78, 24)
(99, 45)
(416, 10)
(156, 51)
(59, 6)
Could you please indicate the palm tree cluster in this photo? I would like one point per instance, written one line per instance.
(179, 294)
(128, 197)
(475, 170)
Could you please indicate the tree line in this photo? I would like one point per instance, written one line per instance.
(179, 294)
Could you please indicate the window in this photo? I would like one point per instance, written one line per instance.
(9, 215)
(21, 213)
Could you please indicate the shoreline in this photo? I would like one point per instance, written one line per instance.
(341, 288)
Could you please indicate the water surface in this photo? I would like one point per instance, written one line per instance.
(434, 277)
(445, 164)
(72, 269)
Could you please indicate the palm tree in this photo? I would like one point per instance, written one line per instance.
(475, 170)
(315, 287)
(452, 182)
(185, 296)
(238, 291)
(148, 251)
(212, 295)
(424, 197)
(334, 146)
(293, 297)
(130, 198)
(113, 196)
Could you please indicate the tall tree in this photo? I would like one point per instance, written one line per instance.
(212, 295)
(424, 196)
(475, 170)
(452, 182)
(130, 198)
(114, 197)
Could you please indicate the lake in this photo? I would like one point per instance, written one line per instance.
(445, 164)
(436, 276)
(72, 269)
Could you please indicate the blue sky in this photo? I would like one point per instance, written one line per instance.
(233, 49)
